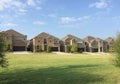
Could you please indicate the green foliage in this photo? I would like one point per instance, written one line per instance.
(3, 48)
(116, 47)
(81, 51)
(67, 49)
(74, 48)
(39, 48)
(48, 49)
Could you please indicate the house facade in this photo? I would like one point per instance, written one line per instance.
(42, 41)
(69, 40)
(110, 42)
(16, 41)
(95, 44)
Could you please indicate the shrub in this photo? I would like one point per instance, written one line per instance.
(74, 48)
(39, 48)
(116, 48)
(48, 49)
(3, 48)
(67, 49)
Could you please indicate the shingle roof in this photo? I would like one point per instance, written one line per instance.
(109, 39)
(70, 36)
(89, 39)
(45, 35)
(13, 32)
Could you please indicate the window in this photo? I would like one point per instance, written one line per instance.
(67, 42)
(56, 41)
(38, 40)
(45, 41)
(50, 40)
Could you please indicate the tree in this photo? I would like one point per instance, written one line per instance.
(116, 48)
(48, 49)
(74, 48)
(39, 48)
(67, 49)
(3, 48)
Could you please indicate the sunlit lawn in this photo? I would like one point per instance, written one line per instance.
(48, 68)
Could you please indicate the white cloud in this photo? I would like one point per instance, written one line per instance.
(52, 15)
(34, 2)
(84, 18)
(10, 25)
(65, 20)
(31, 2)
(19, 6)
(5, 4)
(39, 23)
(100, 4)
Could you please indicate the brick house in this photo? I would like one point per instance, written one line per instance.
(95, 44)
(109, 41)
(69, 40)
(44, 40)
(16, 41)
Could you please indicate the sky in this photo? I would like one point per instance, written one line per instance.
(98, 18)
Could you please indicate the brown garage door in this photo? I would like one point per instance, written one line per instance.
(19, 48)
(54, 48)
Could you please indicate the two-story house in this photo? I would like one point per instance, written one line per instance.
(69, 40)
(16, 41)
(44, 40)
(95, 44)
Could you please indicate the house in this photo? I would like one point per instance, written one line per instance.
(89, 42)
(42, 41)
(110, 42)
(95, 44)
(16, 41)
(69, 40)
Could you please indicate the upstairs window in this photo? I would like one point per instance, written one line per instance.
(67, 42)
(56, 41)
(45, 41)
(38, 40)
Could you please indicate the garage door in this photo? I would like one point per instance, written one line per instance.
(19, 48)
(54, 48)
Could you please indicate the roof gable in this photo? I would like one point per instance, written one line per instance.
(89, 38)
(13, 32)
(46, 35)
(71, 37)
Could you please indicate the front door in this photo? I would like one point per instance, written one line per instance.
(45, 47)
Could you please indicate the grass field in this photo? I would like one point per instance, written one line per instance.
(48, 68)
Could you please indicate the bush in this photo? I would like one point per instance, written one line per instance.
(3, 48)
(39, 48)
(116, 48)
(48, 49)
(81, 51)
(74, 48)
(67, 49)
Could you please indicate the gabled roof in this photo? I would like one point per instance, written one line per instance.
(99, 39)
(89, 39)
(45, 35)
(71, 36)
(109, 39)
(13, 32)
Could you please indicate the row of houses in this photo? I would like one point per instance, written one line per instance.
(18, 42)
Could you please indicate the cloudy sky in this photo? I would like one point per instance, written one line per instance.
(98, 18)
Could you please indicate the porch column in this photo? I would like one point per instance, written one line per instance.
(34, 50)
(65, 49)
(85, 48)
(99, 50)
(90, 47)
(59, 48)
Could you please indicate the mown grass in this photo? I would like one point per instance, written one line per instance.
(48, 68)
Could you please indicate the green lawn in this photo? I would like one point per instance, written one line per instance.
(48, 68)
